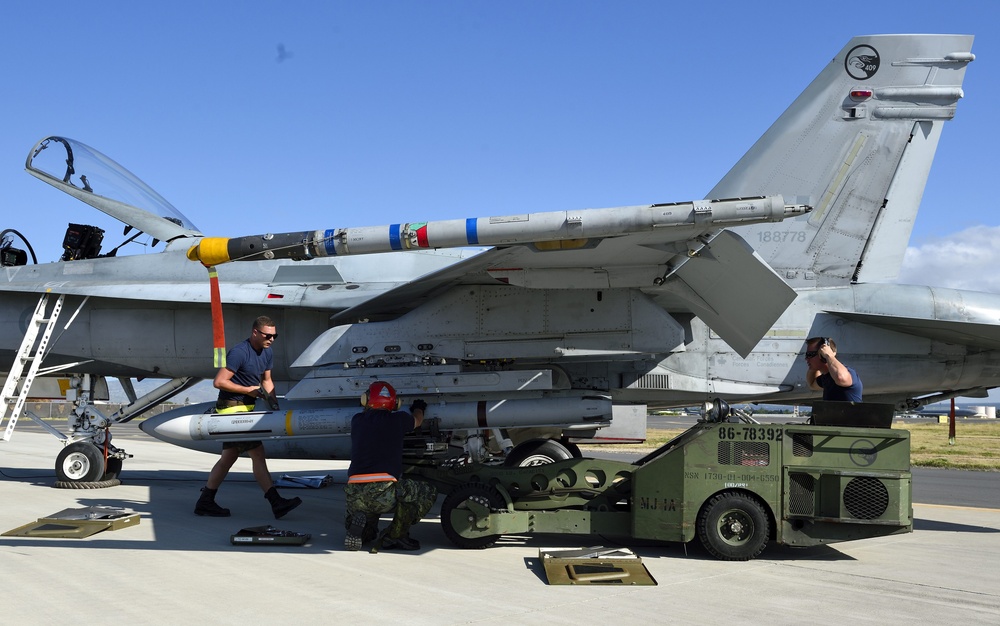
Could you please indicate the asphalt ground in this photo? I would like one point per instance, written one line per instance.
(175, 567)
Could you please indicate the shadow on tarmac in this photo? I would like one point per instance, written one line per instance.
(935, 525)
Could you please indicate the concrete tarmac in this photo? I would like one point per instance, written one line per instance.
(175, 567)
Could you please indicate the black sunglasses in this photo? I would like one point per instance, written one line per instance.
(267, 336)
(810, 354)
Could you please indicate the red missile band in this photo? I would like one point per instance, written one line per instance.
(481, 414)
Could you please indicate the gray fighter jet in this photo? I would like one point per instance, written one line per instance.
(526, 332)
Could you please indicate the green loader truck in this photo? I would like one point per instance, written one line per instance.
(736, 486)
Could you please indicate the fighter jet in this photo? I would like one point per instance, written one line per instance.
(526, 332)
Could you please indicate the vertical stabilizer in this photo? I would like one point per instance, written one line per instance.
(857, 145)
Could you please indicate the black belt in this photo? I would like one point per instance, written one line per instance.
(231, 402)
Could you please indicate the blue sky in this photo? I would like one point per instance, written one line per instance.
(392, 111)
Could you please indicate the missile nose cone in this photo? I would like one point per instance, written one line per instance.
(166, 427)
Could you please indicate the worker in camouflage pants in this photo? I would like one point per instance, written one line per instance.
(375, 483)
(408, 499)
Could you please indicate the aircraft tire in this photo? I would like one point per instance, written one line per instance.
(734, 526)
(457, 516)
(537, 452)
(572, 447)
(80, 462)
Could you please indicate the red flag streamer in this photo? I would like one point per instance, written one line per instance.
(218, 327)
(951, 424)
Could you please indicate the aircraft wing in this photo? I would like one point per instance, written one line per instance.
(717, 277)
(680, 254)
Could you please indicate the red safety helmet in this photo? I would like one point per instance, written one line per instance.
(380, 395)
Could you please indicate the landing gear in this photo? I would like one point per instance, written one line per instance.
(734, 526)
(81, 465)
(537, 452)
(465, 515)
(91, 461)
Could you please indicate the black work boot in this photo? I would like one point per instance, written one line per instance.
(280, 506)
(405, 542)
(385, 542)
(370, 533)
(354, 536)
(206, 504)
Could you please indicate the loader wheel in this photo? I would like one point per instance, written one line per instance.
(537, 452)
(733, 526)
(465, 512)
(80, 462)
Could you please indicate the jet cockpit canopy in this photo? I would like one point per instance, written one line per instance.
(89, 176)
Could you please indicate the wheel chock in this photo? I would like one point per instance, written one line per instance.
(594, 566)
(77, 523)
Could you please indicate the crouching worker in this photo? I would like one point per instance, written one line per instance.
(375, 484)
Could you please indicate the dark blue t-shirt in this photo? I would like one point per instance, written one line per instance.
(377, 442)
(248, 368)
(833, 391)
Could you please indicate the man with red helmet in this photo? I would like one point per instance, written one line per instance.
(375, 482)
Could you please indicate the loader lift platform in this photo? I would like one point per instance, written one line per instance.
(735, 486)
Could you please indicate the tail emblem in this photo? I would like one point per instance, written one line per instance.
(862, 62)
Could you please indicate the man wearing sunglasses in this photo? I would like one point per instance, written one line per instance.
(837, 381)
(246, 377)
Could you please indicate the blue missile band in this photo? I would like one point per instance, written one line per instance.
(394, 242)
(471, 232)
(328, 243)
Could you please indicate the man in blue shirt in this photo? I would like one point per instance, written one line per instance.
(246, 377)
(837, 381)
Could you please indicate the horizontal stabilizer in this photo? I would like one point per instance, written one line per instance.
(976, 336)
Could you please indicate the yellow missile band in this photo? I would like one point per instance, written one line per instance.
(211, 251)
(288, 423)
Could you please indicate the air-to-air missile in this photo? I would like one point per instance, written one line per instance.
(573, 228)
(194, 427)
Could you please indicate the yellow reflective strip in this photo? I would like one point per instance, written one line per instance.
(219, 357)
(239, 408)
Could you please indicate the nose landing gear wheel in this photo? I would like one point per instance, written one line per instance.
(80, 465)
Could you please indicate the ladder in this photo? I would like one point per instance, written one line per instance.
(31, 353)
